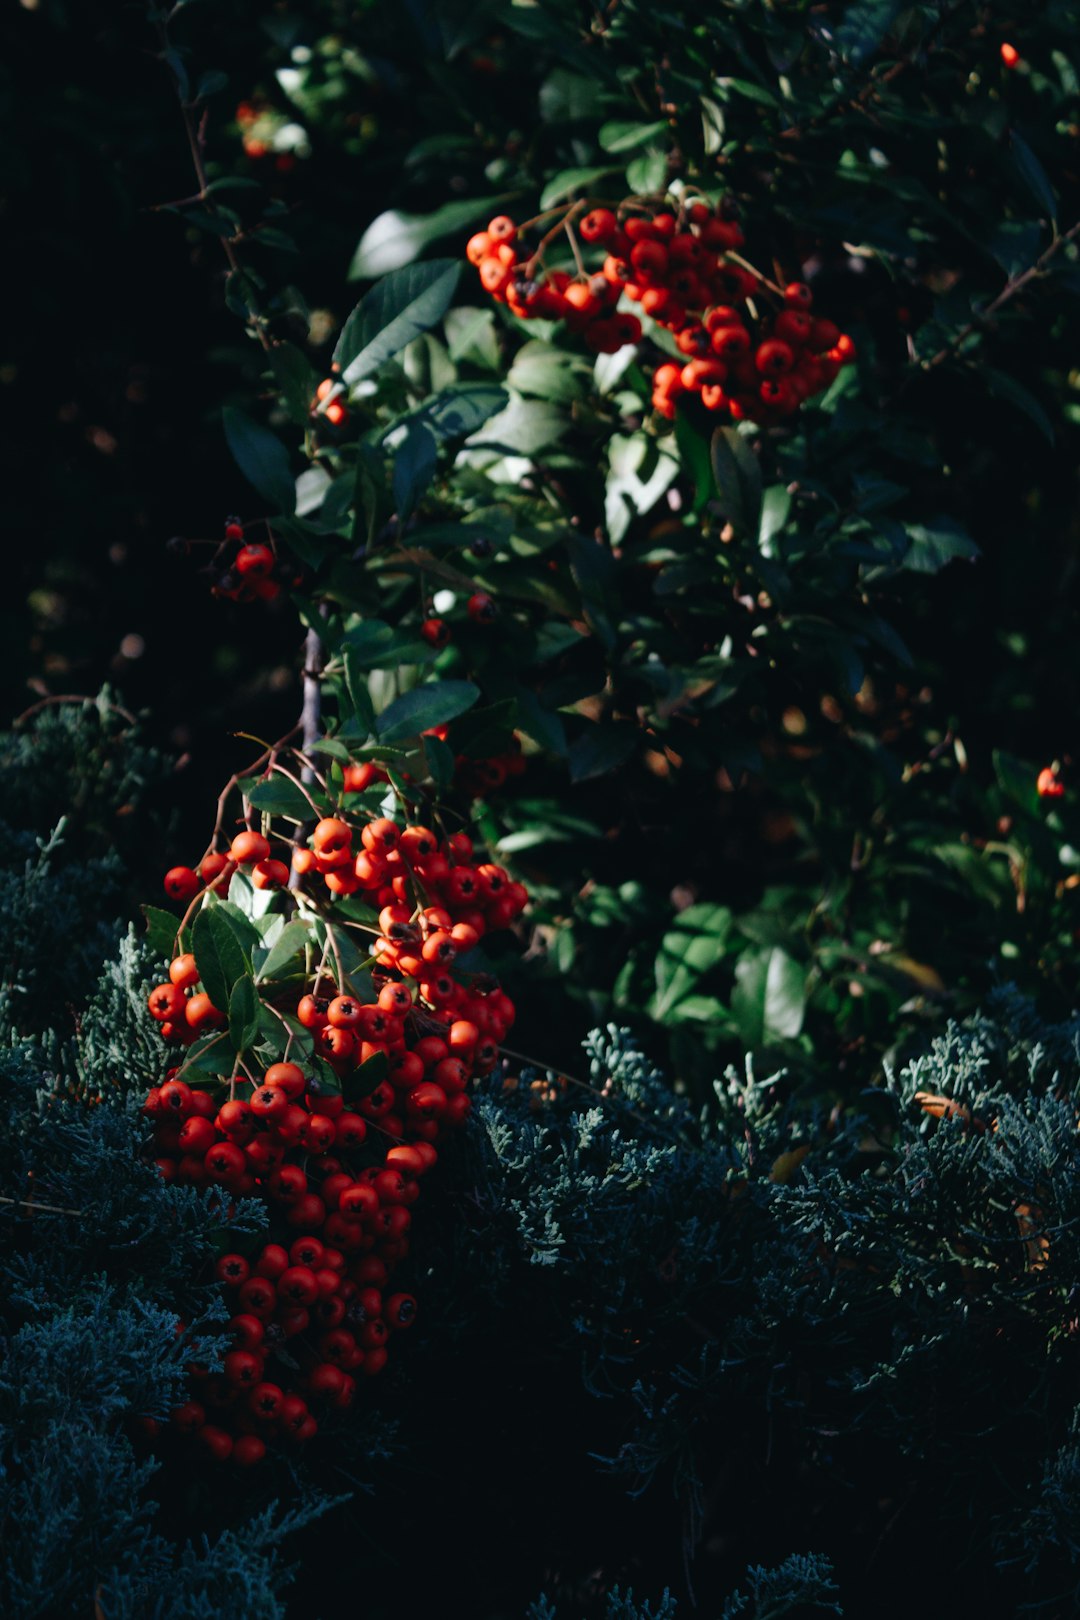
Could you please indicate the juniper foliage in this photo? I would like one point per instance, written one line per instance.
(854, 1302)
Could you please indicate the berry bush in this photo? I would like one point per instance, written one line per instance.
(660, 581)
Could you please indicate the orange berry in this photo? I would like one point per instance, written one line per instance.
(248, 847)
(331, 837)
(183, 972)
(478, 247)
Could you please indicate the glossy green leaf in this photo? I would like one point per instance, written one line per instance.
(280, 797)
(243, 1014)
(395, 238)
(261, 457)
(286, 952)
(769, 999)
(161, 929)
(396, 310)
(219, 954)
(424, 707)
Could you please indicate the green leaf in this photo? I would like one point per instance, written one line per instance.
(747, 88)
(415, 460)
(210, 83)
(161, 931)
(363, 714)
(596, 574)
(471, 335)
(524, 428)
(567, 181)
(769, 999)
(375, 644)
(440, 762)
(485, 731)
(296, 379)
(932, 545)
(261, 457)
(1017, 781)
(394, 312)
(647, 175)
(361, 1082)
(424, 707)
(1032, 174)
(694, 453)
(243, 1014)
(280, 797)
(690, 950)
(462, 409)
(622, 136)
(863, 28)
(639, 473)
(219, 955)
(544, 726)
(545, 372)
(1006, 387)
(287, 949)
(738, 478)
(600, 749)
(395, 239)
(775, 507)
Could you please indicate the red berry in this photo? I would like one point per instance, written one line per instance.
(181, 883)
(166, 1002)
(265, 1400)
(481, 608)
(436, 632)
(599, 225)
(254, 561)
(248, 1450)
(400, 1311)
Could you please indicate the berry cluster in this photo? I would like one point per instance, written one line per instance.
(329, 402)
(480, 607)
(249, 570)
(338, 1178)
(311, 1311)
(479, 777)
(752, 349)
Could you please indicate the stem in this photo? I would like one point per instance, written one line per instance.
(1014, 285)
(571, 213)
(572, 1080)
(32, 1203)
(195, 142)
(310, 712)
(71, 697)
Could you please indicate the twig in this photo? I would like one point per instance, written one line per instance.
(51, 1209)
(1010, 290)
(195, 142)
(535, 1063)
(72, 697)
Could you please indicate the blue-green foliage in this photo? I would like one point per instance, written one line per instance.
(910, 1285)
(106, 1287)
(107, 1293)
(802, 1581)
(71, 783)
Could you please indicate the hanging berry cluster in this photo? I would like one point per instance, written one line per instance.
(750, 348)
(246, 570)
(337, 1134)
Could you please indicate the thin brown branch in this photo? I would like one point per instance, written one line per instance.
(1014, 285)
(195, 135)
